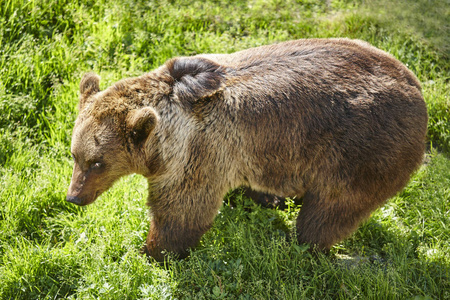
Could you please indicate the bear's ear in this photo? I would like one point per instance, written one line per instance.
(89, 85)
(195, 78)
(141, 123)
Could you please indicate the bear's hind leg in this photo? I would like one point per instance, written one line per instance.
(323, 222)
(264, 199)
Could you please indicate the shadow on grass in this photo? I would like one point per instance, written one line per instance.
(248, 258)
(425, 19)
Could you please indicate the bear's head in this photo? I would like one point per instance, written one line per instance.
(107, 137)
(115, 133)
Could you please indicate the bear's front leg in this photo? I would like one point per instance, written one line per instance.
(181, 212)
(172, 236)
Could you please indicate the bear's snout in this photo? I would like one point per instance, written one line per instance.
(83, 188)
(74, 200)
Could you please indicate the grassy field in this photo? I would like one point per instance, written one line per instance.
(51, 249)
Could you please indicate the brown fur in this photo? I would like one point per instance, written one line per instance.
(335, 121)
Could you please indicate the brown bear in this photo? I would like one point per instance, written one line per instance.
(335, 122)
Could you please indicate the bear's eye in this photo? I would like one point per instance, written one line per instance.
(73, 157)
(96, 165)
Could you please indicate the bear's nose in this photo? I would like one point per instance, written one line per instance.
(74, 200)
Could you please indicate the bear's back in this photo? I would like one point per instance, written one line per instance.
(336, 106)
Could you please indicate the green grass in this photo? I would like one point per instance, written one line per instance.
(51, 249)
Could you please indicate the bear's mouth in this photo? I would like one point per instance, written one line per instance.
(95, 196)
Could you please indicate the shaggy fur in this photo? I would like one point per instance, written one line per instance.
(336, 122)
